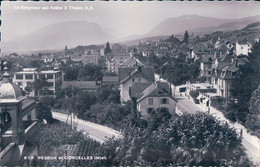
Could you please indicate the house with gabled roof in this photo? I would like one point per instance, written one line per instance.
(149, 97)
(198, 50)
(224, 71)
(206, 62)
(217, 67)
(243, 47)
(130, 75)
(227, 75)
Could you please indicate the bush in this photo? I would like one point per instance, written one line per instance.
(194, 94)
(218, 102)
(186, 140)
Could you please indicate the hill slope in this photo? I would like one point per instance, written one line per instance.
(56, 36)
(200, 24)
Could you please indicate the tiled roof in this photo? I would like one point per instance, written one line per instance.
(124, 72)
(226, 57)
(200, 48)
(137, 88)
(131, 62)
(156, 89)
(110, 79)
(207, 58)
(145, 72)
(243, 41)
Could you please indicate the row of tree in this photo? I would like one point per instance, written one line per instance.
(188, 140)
(245, 90)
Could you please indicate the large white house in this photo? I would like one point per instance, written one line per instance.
(149, 97)
(129, 75)
(29, 75)
(243, 47)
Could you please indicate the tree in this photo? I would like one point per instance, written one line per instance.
(71, 73)
(186, 37)
(90, 72)
(108, 93)
(246, 81)
(107, 48)
(35, 63)
(186, 140)
(253, 119)
(44, 112)
(40, 83)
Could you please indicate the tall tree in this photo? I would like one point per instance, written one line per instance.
(186, 37)
(246, 81)
(107, 48)
(40, 83)
(253, 119)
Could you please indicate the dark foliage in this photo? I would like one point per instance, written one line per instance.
(181, 140)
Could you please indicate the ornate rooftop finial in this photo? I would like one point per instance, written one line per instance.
(6, 74)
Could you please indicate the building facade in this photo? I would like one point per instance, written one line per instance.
(152, 97)
(28, 76)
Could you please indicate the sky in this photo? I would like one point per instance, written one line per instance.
(126, 18)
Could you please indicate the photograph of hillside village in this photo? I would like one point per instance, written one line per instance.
(130, 83)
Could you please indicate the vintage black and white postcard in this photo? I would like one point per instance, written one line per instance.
(130, 83)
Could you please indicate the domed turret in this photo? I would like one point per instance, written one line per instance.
(9, 92)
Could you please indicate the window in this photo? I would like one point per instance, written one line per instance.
(150, 101)
(28, 76)
(233, 73)
(149, 110)
(164, 101)
(19, 76)
(49, 76)
(50, 83)
(20, 84)
(133, 80)
(35, 76)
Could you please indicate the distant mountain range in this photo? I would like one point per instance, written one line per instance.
(200, 24)
(74, 33)
(56, 36)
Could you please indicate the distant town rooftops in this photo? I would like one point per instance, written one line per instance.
(207, 58)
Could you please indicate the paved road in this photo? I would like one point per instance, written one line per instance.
(97, 132)
(184, 104)
(250, 142)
